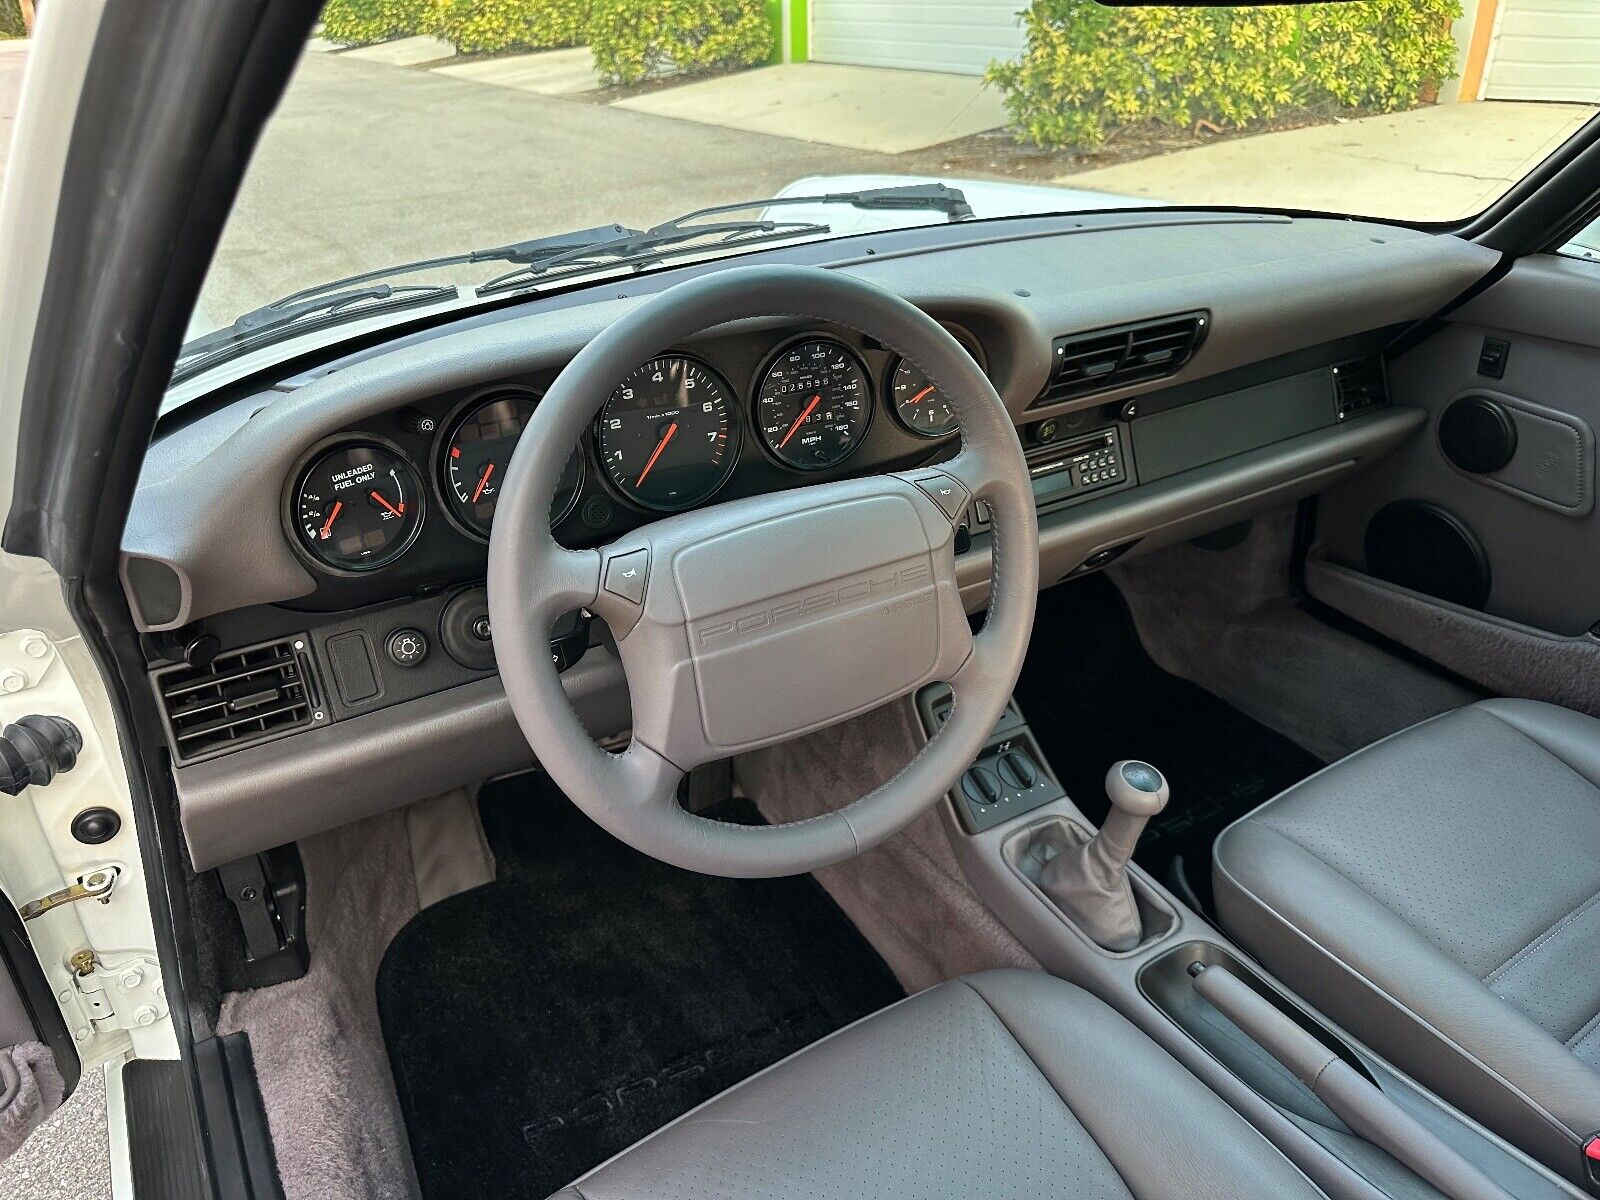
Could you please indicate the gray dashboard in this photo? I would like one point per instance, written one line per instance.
(1254, 416)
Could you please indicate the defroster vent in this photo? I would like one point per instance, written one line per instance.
(241, 698)
(1103, 359)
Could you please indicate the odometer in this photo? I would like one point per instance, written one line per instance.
(478, 452)
(667, 436)
(358, 507)
(814, 405)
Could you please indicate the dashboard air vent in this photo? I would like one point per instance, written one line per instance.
(1359, 385)
(240, 698)
(1103, 359)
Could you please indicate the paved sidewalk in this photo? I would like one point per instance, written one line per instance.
(549, 72)
(1440, 163)
(861, 108)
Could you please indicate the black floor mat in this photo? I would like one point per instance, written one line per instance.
(1092, 696)
(542, 1023)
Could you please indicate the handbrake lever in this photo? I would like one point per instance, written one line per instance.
(1355, 1100)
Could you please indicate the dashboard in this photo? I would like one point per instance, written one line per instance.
(306, 549)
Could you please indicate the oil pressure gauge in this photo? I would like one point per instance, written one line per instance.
(358, 507)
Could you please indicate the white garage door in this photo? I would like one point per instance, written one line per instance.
(959, 36)
(1545, 50)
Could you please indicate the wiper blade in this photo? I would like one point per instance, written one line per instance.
(274, 322)
(651, 245)
(638, 247)
(279, 313)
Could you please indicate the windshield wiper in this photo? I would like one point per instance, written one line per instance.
(612, 245)
(337, 295)
(636, 247)
(273, 322)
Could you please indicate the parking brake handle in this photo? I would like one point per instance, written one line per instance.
(1349, 1095)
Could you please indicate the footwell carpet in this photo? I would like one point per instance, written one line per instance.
(1093, 696)
(544, 1022)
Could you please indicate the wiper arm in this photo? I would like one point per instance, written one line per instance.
(275, 316)
(639, 247)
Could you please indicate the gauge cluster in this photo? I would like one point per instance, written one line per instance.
(407, 501)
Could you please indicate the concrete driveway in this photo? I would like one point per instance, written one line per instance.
(366, 164)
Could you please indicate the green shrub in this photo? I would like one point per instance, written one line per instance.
(1089, 69)
(482, 26)
(11, 25)
(359, 22)
(635, 39)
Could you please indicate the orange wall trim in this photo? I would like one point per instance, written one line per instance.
(1478, 49)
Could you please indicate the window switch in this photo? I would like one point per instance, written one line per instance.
(1492, 358)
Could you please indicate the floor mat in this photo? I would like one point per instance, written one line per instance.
(544, 1022)
(1092, 696)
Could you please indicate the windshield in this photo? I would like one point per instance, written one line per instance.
(430, 129)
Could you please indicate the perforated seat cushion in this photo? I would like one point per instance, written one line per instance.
(1438, 893)
(1010, 1085)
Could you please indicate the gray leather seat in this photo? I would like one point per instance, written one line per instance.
(1438, 894)
(1008, 1084)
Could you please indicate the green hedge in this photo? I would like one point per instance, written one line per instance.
(11, 25)
(635, 39)
(483, 26)
(358, 22)
(1088, 68)
(631, 39)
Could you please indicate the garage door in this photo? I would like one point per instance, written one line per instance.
(1545, 50)
(959, 36)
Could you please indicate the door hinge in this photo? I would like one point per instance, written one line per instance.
(93, 885)
(123, 993)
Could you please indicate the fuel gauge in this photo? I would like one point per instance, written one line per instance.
(358, 507)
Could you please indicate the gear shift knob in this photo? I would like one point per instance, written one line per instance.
(1089, 882)
(1137, 792)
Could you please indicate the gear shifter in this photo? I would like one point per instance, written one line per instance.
(1089, 882)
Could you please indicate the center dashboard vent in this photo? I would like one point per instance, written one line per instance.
(1102, 359)
(240, 698)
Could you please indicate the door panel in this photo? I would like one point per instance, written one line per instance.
(1501, 479)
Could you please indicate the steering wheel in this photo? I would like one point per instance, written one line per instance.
(747, 623)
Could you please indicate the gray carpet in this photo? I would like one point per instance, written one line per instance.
(319, 1053)
(908, 897)
(69, 1156)
(1228, 621)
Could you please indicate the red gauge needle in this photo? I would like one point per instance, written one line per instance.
(660, 446)
(399, 512)
(920, 394)
(327, 526)
(478, 491)
(801, 419)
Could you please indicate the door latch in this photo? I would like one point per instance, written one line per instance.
(96, 885)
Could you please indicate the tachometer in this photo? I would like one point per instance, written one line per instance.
(921, 406)
(358, 507)
(667, 435)
(478, 451)
(814, 404)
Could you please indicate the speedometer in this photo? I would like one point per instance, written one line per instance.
(814, 404)
(667, 435)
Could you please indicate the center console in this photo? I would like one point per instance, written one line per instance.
(1357, 1126)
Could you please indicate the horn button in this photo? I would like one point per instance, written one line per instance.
(803, 618)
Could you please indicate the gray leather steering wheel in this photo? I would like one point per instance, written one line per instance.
(751, 622)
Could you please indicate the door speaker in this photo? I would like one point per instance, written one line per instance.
(1422, 547)
(1477, 434)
